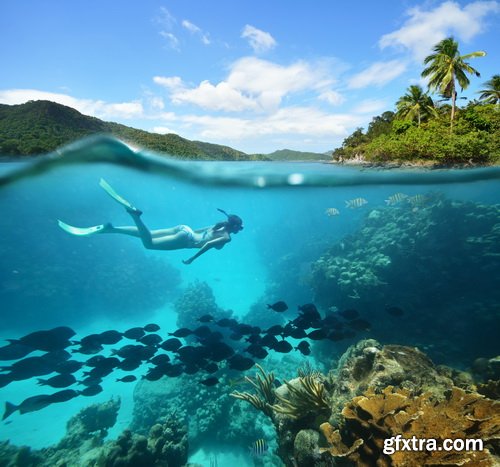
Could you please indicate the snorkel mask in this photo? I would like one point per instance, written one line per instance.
(235, 222)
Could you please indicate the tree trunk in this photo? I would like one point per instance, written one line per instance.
(453, 102)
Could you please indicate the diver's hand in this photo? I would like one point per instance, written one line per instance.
(187, 261)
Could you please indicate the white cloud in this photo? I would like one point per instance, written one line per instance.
(95, 108)
(370, 106)
(252, 84)
(423, 29)
(289, 121)
(170, 82)
(260, 41)
(332, 97)
(172, 40)
(192, 28)
(378, 74)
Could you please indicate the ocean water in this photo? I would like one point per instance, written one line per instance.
(431, 251)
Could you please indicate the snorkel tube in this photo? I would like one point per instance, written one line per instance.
(235, 222)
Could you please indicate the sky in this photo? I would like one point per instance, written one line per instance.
(254, 75)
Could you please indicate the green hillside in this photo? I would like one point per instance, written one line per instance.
(291, 155)
(38, 127)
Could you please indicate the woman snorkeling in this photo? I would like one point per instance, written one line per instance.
(174, 238)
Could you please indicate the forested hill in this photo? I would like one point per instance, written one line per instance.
(38, 127)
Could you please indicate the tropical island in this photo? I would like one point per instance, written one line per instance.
(421, 130)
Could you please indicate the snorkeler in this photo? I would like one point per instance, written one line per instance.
(175, 238)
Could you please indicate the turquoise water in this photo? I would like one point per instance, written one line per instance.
(439, 264)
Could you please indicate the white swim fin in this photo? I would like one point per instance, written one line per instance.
(109, 190)
(82, 231)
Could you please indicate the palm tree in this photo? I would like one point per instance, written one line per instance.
(415, 104)
(445, 67)
(491, 95)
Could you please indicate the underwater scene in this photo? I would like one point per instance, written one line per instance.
(324, 310)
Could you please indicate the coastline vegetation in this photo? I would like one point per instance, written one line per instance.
(423, 130)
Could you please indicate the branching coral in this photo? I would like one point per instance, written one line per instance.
(265, 397)
(305, 395)
(372, 418)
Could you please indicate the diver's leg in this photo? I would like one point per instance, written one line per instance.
(144, 233)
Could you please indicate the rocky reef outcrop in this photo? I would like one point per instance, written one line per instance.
(377, 392)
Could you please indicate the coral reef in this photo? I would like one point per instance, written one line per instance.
(375, 392)
(197, 300)
(373, 418)
(166, 446)
(403, 255)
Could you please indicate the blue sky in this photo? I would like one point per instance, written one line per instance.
(254, 75)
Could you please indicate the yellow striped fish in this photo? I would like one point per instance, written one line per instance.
(332, 212)
(259, 447)
(355, 203)
(417, 200)
(395, 199)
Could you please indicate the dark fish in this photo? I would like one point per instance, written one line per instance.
(257, 351)
(244, 329)
(90, 381)
(59, 381)
(240, 363)
(395, 311)
(283, 347)
(182, 332)
(91, 390)
(253, 339)
(36, 366)
(15, 351)
(52, 339)
(275, 330)
(98, 372)
(205, 318)
(226, 322)
(151, 327)
(154, 375)
(211, 367)
(160, 359)
(89, 349)
(235, 336)
(171, 344)
(63, 396)
(5, 380)
(128, 351)
(336, 335)
(298, 333)
(310, 311)
(212, 381)
(129, 364)
(349, 314)
(150, 339)
(259, 448)
(127, 379)
(202, 331)
(191, 369)
(31, 404)
(174, 370)
(360, 324)
(110, 337)
(92, 340)
(220, 351)
(317, 335)
(134, 333)
(279, 307)
(108, 362)
(94, 361)
(268, 341)
(304, 348)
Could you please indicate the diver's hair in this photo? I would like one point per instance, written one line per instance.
(232, 221)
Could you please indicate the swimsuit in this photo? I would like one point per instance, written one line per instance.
(196, 240)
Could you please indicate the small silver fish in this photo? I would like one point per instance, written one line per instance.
(332, 212)
(395, 199)
(355, 203)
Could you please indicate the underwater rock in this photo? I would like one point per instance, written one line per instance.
(196, 301)
(90, 424)
(403, 256)
(305, 447)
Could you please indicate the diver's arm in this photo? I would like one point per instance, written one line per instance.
(217, 243)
